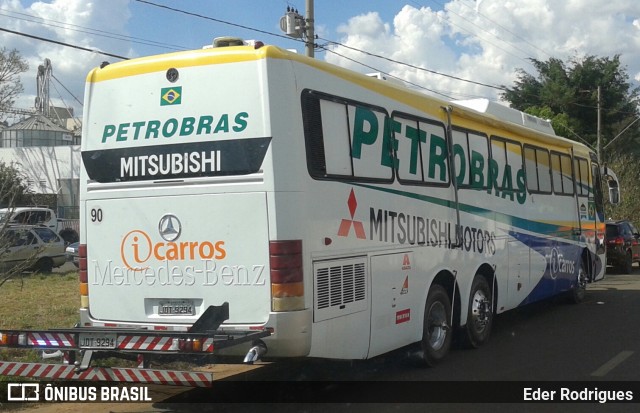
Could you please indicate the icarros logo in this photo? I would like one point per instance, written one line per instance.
(558, 265)
(138, 248)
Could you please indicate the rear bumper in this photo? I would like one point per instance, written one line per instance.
(290, 335)
(290, 332)
(616, 255)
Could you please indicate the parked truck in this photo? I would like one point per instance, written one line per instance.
(68, 229)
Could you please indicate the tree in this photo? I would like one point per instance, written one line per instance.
(13, 192)
(568, 95)
(13, 188)
(11, 65)
(627, 169)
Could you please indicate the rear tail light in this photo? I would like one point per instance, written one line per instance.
(192, 345)
(84, 279)
(287, 281)
(616, 241)
(13, 339)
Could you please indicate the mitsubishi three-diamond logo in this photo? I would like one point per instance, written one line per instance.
(346, 224)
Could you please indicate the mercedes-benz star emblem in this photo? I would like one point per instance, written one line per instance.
(169, 227)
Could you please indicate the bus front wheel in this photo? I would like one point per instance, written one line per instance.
(436, 333)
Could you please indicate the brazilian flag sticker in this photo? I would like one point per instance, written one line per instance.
(171, 96)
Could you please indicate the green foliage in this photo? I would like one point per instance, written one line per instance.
(13, 192)
(627, 168)
(561, 122)
(11, 65)
(568, 95)
(13, 187)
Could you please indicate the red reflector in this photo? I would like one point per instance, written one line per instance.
(285, 247)
(286, 275)
(82, 264)
(285, 259)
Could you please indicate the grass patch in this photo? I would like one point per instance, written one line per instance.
(40, 301)
(36, 301)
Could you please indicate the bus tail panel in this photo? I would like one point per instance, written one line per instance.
(169, 258)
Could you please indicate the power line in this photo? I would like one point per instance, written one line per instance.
(388, 74)
(414, 66)
(503, 28)
(63, 44)
(327, 40)
(201, 16)
(83, 29)
(68, 91)
(476, 35)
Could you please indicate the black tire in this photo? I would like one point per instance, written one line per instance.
(627, 265)
(480, 313)
(436, 332)
(577, 294)
(44, 265)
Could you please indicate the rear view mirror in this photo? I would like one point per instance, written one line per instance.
(614, 195)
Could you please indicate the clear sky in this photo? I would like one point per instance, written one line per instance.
(455, 48)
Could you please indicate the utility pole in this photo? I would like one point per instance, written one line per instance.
(310, 43)
(599, 138)
(298, 27)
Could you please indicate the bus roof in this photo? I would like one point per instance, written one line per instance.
(479, 110)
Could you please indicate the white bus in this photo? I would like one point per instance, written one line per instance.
(331, 213)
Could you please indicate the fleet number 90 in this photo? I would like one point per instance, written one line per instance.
(96, 214)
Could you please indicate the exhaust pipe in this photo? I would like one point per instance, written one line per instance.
(258, 350)
(55, 354)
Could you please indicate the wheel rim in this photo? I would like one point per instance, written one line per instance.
(480, 309)
(582, 281)
(437, 325)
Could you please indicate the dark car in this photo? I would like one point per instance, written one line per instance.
(623, 246)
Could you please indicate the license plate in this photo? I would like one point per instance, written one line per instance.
(98, 340)
(176, 307)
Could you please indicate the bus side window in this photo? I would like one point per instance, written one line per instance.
(581, 171)
(346, 139)
(421, 153)
(561, 172)
(505, 167)
(538, 171)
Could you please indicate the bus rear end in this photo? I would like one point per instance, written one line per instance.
(176, 191)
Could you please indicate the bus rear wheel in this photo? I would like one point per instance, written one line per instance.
(480, 315)
(436, 333)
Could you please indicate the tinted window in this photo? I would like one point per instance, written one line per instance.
(46, 235)
(347, 139)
